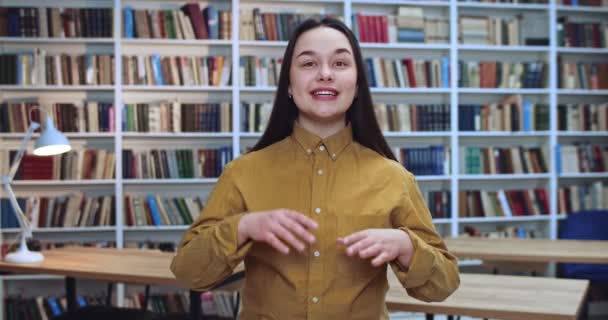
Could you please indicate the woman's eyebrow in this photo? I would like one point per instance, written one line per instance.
(312, 53)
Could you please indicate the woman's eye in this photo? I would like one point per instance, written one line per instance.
(341, 64)
(308, 64)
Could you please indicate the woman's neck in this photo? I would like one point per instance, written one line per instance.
(322, 130)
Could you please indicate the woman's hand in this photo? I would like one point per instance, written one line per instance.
(280, 228)
(382, 245)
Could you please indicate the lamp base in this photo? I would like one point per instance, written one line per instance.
(24, 255)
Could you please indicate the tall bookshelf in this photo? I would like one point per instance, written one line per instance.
(538, 21)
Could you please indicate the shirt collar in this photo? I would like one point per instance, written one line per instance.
(333, 145)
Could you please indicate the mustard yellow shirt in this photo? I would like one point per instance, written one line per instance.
(345, 187)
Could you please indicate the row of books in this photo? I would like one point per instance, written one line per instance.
(408, 73)
(154, 210)
(422, 161)
(507, 1)
(412, 117)
(524, 116)
(177, 117)
(56, 22)
(259, 71)
(503, 160)
(582, 157)
(391, 117)
(213, 303)
(503, 203)
(591, 3)
(272, 25)
(175, 163)
(408, 25)
(188, 23)
(578, 34)
(582, 75)
(84, 116)
(582, 117)
(255, 116)
(71, 210)
(56, 69)
(499, 74)
(78, 164)
(574, 198)
(439, 203)
(176, 70)
(488, 30)
(501, 232)
(44, 307)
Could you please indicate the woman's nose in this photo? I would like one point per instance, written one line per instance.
(325, 73)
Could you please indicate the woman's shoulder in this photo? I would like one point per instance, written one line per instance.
(254, 159)
(386, 165)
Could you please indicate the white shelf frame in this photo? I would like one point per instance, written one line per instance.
(239, 139)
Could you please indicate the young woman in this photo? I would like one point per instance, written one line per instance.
(319, 207)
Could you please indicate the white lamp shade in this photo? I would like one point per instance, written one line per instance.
(51, 141)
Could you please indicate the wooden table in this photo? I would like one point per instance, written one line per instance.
(487, 296)
(500, 297)
(530, 250)
(147, 267)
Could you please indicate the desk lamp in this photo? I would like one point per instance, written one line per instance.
(51, 142)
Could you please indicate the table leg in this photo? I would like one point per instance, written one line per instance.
(109, 295)
(237, 305)
(146, 298)
(70, 291)
(195, 305)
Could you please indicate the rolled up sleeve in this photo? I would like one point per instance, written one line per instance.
(209, 252)
(433, 272)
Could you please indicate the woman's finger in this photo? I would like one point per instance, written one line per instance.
(296, 228)
(371, 251)
(276, 243)
(358, 246)
(381, 259)
(283, 233)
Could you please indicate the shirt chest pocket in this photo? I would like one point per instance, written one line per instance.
(355, 267)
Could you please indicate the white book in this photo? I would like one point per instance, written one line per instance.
(504, 204)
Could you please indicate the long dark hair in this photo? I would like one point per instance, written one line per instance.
(360, 114)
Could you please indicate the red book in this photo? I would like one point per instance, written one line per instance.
(362, 28)
(193, 11)
(409, 64)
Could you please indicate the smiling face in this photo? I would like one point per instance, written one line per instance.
(323, 79)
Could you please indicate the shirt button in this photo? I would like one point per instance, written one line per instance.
(308, 151)
(322, 148)
(317, 253)
(318, 210)
(315, 299)
(320, 172)
(333, 155)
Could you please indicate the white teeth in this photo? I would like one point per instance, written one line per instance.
(325, 93)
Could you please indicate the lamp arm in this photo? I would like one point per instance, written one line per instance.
(23, 220)
(17, 161)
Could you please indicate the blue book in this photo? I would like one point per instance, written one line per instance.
(527, 116)
(14, 21)
(355, 26)
(157, 69)
(81, 301)
(558, 158)
(370, 72)
(128, 11)
(54, 306)
(445, 72)
(213, 21)
(154, 210)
